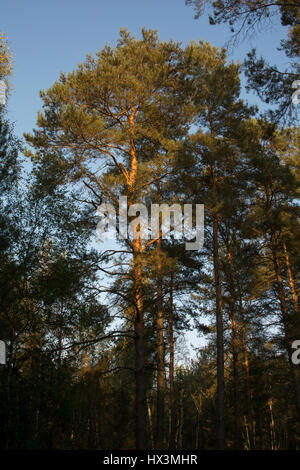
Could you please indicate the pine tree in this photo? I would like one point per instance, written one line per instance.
(115, 110)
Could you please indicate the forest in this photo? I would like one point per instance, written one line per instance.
(94, 327)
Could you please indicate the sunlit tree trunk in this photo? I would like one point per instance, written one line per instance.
(140, 401)
(219, 321)
(290, 276)
(160, 409)
(171, 369)
(251, 423)
(181, 417)
(234, 333)
(150, 424)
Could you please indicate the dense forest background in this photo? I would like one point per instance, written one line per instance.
(93, 335)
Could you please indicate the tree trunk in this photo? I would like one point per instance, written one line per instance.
(160, 410)
(232, 308)
(150, 425)
(181, 417)
(220, 344)
(140, 401)
(140, 398)
(291, 280)
(219, 321)
(247, 372)
(160, 403)
(171, 370)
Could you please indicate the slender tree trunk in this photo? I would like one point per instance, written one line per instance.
(171, 370)
(150, 424)
(218, 292)
(160, 380)
(140, 402)
(232, 307)
(181, 417)
(160, 410)
(247, 372)
(220, 344)
(286, 324)
(272, 427)
(219, 324)
(60, 345)
(291, 280)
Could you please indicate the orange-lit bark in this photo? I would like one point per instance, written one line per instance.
(171, 370)
(140, 399)
(251, 423)
(219, 320)
(232, 308)
(290, 276)
(160, 359)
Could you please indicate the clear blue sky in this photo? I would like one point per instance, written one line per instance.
(50, 36)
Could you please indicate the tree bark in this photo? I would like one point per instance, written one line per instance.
(160, 348)
(247, 372)
(160, 410)
(150, 425)
(219, 322)
(232, 308)
(220, 341)
(140, 401)
(140, 398)
(291, 280)
(171, 370)
(181, 417)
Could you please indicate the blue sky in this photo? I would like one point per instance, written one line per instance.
(48, 37)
